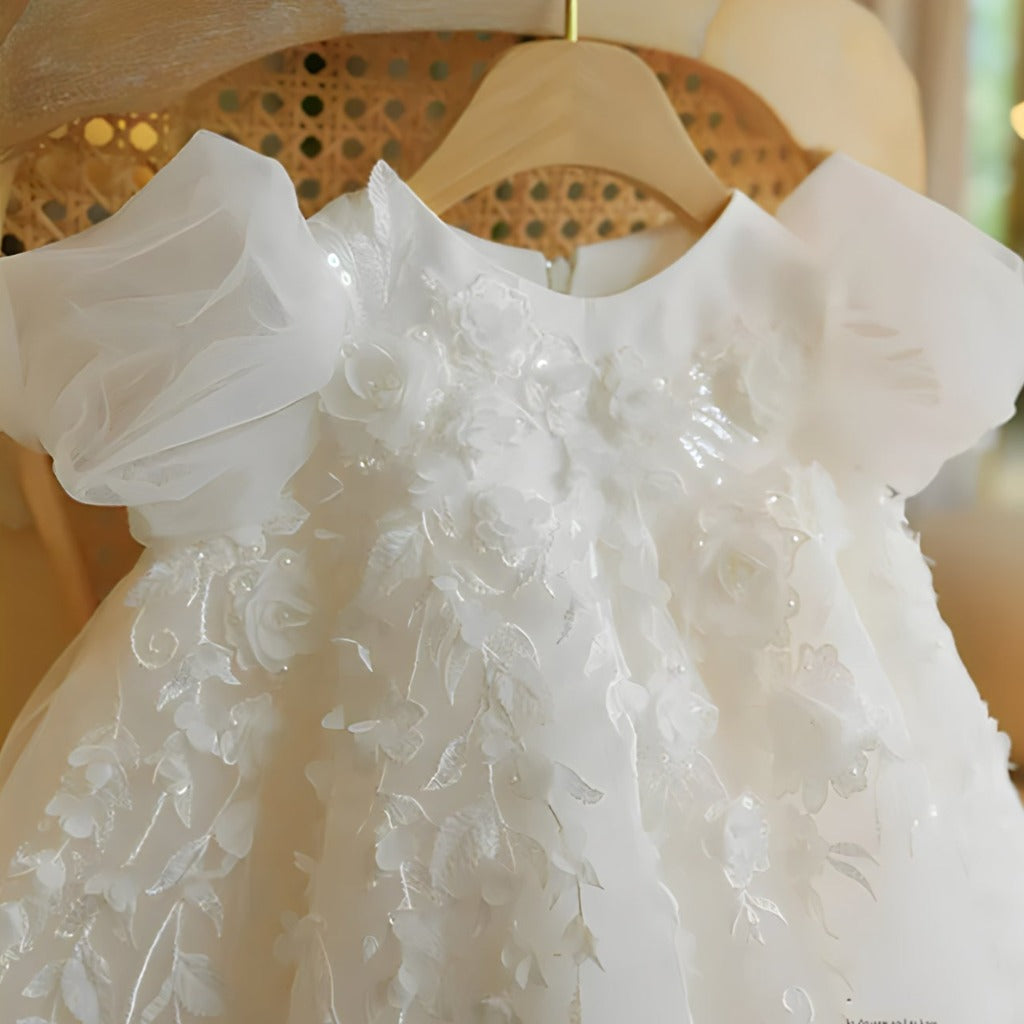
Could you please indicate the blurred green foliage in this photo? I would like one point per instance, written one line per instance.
(992, 61)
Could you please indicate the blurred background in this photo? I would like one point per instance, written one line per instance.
(965, 55)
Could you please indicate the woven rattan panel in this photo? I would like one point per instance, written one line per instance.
(328, 112)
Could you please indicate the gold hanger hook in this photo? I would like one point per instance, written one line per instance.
(572, 20)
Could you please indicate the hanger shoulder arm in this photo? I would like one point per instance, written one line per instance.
(587, 104)
(851, 90)
(828, 68)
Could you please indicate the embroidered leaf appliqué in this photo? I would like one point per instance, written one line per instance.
(179, 865)
(588, 876)
(522, 703)
(403, 810)
(371, 944)
(44, 983)
(818, 910)
(183, 806)
(767, 905)
(79, 993)
(851, 872)
(581, 942)
(527, 847)
(451, 765)
(851, 850)
(234, 828)
(196, 985)
(575, 786)
(396, 557)
(455, 665)
(287, 519)
(507, 643)
(439, 630)
(334, 720)
(799, 1004)
(466, 838)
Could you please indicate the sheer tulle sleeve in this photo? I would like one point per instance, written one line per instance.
(168, 358)
(924, 348)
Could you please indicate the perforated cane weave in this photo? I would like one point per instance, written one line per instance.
(328, 111)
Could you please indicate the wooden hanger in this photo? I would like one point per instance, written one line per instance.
(828, 68)
(586, 104)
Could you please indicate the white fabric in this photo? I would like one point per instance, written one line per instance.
(505, 653)
(150, 348)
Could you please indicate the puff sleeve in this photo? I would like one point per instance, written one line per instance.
(924, 346)
(168, 358)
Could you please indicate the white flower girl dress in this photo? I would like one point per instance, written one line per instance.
(503, 653)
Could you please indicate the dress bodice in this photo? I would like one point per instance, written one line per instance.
(589, 615)
(182, 355)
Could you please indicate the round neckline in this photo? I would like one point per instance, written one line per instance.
(389, 194)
